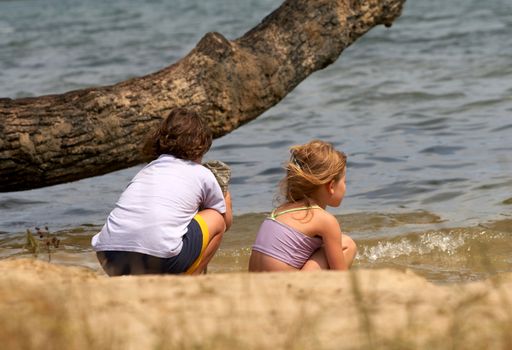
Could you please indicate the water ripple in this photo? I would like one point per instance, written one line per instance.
(18, 203)
(502, 128)
(442, 150)
(441, 197)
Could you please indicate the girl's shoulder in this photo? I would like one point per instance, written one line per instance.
(324, 216)
(324, 221)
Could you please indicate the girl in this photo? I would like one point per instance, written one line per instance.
(172, 215)
(300, 234)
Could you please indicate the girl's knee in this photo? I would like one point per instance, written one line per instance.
(349, 249)
(349, 244)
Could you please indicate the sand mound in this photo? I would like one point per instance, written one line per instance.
(50, 306)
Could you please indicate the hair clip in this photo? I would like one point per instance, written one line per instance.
(295, 161)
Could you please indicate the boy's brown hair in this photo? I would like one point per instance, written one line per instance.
(183, 134)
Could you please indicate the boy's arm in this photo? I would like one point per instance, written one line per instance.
(228, 215)
(222, 173)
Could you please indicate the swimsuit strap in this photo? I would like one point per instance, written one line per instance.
(274, 215)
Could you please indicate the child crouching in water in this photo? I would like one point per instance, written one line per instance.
(171, 217)
(300, 234)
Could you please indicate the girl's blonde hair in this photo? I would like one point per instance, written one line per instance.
(311, 165)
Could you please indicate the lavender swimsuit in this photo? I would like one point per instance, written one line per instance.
(285, 243)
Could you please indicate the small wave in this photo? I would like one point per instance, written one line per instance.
(271, 144)
(79, 212)
(441, 197)
(399, 189)
(359, 165)
(5, 28)
(429, 124)
(472, 106)
(496, 72)
(387, 159)
(413, 96)
(440, 182)
(13, 203)
(445, 242)
(239, 180)
(452, 165)
(502, 128)
(442, 150)
(490, 186)
(272, 171)
(455, 246)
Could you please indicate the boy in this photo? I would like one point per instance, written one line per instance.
(172, 215)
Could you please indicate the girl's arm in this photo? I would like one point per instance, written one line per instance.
(331, 235)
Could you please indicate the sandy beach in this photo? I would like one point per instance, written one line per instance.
(46, 305)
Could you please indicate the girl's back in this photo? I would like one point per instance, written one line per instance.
(291, 234)
(305, 219)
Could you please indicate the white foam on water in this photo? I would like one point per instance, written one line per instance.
(446, 242)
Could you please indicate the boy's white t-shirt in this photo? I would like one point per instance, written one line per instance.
(153, 212)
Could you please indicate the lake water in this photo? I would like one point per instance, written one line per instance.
(423, 111)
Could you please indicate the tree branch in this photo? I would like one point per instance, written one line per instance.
(53, 139)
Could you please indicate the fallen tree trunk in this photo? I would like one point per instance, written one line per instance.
(59, 138)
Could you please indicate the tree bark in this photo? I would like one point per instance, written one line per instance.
(53, 139)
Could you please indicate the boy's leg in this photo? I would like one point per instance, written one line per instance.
(216, 227)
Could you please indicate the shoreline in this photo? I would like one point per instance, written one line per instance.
(52, 306)
(361, 220)
(422, 243)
